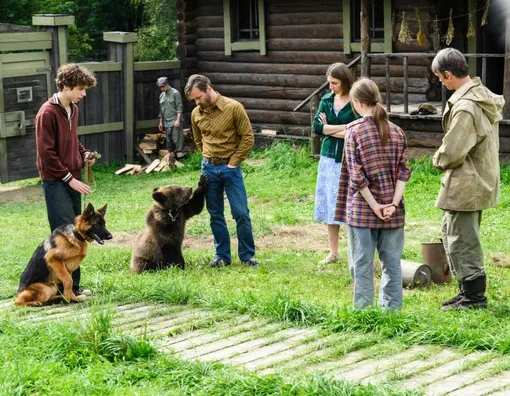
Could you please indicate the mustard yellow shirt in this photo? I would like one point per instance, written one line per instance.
(223, 131)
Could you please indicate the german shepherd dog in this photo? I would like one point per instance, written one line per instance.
(58, 256)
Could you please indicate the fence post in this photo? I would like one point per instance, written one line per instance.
(316, 139)
(57, 25)
(120, 49)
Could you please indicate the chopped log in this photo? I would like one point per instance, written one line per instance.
(144, 156)
(154, 136)
(163, 153)
(134, 170)
(146, 151)
(164, 161)
(124, 169)
(148, 144)
(178, 164)
(271, 132)
(154, 164)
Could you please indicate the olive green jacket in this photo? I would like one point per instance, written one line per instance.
(170, 104)
(469, 154)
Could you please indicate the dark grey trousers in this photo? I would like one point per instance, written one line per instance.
(174, 139)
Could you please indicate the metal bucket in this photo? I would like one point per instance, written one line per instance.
(434, 256)
(415, 274)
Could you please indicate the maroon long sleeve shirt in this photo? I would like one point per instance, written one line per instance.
(59, 153)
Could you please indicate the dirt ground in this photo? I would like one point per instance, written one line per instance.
(19, 194)
(314, 237)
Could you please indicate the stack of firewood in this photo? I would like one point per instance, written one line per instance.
(155, 157)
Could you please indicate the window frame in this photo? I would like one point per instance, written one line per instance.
(353, 46)
(244, 45)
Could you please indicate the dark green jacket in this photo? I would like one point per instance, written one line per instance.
(332, 147)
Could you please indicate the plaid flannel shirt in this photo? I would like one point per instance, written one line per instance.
(367, 162)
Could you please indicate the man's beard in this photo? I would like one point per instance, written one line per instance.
(207, 103)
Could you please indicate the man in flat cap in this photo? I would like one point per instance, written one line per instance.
(170, 117)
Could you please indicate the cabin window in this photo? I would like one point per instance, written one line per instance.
(244, 23)
(380, 28)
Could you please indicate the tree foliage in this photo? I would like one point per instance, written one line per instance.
(157, 37)
(153, 20)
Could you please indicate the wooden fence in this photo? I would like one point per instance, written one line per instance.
(123, 105)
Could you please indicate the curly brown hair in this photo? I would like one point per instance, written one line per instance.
(73, 75)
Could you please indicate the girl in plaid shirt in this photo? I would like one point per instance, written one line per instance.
(373, 178)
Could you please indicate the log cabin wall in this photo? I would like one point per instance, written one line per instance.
(303, 39)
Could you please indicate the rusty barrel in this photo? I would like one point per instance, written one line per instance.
(415, 274)
(434, 256)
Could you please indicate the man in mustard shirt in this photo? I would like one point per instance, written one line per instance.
(469, 158)
(224, 136)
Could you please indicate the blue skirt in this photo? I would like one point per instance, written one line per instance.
(328, 177)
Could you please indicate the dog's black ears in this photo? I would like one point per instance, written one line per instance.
(88, 211)
(102, 211)
(155, 189)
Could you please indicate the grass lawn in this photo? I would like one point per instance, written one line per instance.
(287, 286)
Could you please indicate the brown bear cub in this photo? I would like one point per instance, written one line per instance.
(58, 257)
(160, 245)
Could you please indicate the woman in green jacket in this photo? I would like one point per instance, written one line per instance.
(334, 113)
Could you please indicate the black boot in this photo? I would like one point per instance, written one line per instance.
(474, 295)
(455, 299)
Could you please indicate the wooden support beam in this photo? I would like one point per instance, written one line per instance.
(506, 73)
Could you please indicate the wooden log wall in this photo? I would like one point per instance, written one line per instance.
(303, 39)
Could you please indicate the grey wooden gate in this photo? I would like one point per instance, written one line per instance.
(24, 86)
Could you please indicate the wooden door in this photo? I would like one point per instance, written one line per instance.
(24, 86)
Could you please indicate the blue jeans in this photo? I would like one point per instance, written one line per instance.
(362, 243)
(63, 204)
(223, 179)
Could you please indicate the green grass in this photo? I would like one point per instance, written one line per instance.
(287, 286)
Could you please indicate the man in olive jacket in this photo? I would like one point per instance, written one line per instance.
(469, 158)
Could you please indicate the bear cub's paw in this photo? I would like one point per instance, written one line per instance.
(203, 183)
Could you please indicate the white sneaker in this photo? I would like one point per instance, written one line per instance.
(180, 154)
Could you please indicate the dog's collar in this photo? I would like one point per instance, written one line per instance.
(78, 235)
(174, 217)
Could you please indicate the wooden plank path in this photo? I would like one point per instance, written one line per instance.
(265, 347)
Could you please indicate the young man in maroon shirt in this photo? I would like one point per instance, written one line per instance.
(60, 156)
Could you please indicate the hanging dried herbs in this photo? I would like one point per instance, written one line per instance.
(471, 26)
(436, 35)
(485, 14)
(405, 33)
(450, 33)
(420, 36)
